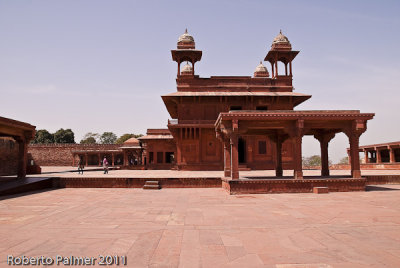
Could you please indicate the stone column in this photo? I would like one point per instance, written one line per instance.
(297, 138)
(392, 156)
(112, 159)
(273, 70)
(324, 139)
(99, 158)
(290, 67)
(234, 157)
(22, 157)
(378, 156)
(324, 158)
(227, 159)
(125, 158)
(86, 159)
(298, 165)
(354, 153)
(366, 159)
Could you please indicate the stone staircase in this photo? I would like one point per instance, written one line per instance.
(152, 185)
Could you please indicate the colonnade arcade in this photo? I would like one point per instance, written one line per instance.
(95, 158)
(279, 126)
(124, 157)
(381, 153)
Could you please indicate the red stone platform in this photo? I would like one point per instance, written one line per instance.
(116, 182)
(289, 185)
(250, 182)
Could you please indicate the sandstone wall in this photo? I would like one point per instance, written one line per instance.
(61, 154)
(8, 156)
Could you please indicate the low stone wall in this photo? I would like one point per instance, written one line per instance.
(291, 186)
(61, 154)
(392, 166)
(138, 182)
(381, 166)
(383, 179)
(8, 157)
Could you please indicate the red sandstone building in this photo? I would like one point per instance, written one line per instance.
(248, 122)
(14, 139)
(234, 123)
(382, 155)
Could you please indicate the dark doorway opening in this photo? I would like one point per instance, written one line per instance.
(372, 159)
(169, 157)
(235, 108)
(93, 160)
(397, 155)
(242, 150)
(385, 157)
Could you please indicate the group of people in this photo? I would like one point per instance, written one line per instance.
(81, 165)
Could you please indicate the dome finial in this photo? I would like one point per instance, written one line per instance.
(281, 42)
(186, 41)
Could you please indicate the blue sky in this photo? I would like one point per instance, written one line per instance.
(96, 66)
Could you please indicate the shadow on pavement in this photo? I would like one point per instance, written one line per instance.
(370, 188)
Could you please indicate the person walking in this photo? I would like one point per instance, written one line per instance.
(105, 165)
(81, 166)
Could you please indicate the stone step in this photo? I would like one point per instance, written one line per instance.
(320, 190)
(152, 185)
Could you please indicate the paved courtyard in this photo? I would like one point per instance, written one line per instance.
(206, 227)
(95, 172)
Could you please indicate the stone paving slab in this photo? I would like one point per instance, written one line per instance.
(206, 227)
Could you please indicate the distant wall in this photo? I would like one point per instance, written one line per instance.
(61, 154)
(8, 156)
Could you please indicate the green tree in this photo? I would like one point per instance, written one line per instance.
(126, 137)
(90, 138)
(64, 136)
(108, 138)
(344, 161)
(314, 160)
(43, 136)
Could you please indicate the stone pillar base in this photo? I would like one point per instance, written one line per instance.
(356, 174)
(298, 175)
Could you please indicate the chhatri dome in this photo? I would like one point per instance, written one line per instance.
(187, 69)
(281, 42)
(186, 41)
(132, 142)
(261, 71)
(186, 37)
